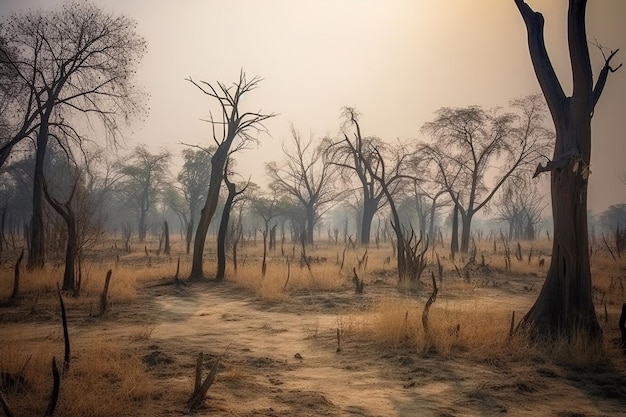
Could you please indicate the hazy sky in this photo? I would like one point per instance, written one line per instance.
(395, 61)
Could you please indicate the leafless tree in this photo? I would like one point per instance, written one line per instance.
(469, 141)
(565, 302)
(76, 186)
(307, 177)
(232, 131)
(144, 181)
(520, 204)
(386, 165)
(349, 154)
(194, 178)
(72, 64)
(231, 199)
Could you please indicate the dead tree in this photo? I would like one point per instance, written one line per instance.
(234, 124)
(565, 303)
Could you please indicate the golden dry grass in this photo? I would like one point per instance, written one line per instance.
(103, 380)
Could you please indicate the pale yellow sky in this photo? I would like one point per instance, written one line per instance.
(395, 61)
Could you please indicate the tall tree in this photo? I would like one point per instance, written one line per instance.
(194, 179)
(74, 63)
(307, 177)
(232, 132)
(470, 140)
(144, 181)
(349, 154)
(565, 303)
(520, 205)
(231, 200)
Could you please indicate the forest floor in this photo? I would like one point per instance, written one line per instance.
(281, 358)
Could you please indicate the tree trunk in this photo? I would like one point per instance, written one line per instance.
(565, 304)
(37, 252)
(142, 222)
(310, 224)
(454, 242)
(218, 161)
(166, 232)
(71, 253)
(369, 210)
(466, 230)
(431, 223)
(71, 248)
(221, 234)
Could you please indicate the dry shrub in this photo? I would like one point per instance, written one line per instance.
(102, 381)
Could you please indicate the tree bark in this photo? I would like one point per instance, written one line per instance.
(565, 304)
(37, 252)
(71, 248)
(454, 241)
(222, 231)
(466, 231)
(370, 206)
(218, 161)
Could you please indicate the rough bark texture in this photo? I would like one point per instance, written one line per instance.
(37, 252)
(565, 303)
(71, 248)
(223, 229)
(218, 161)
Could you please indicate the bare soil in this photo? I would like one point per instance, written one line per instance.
(281, 359)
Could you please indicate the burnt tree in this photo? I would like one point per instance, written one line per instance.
(565, 304)
(236, 127)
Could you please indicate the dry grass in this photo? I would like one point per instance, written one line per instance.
(398, 323)
(103, 380)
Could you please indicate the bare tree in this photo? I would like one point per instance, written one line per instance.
(520, 205)
(349, 154)
(76, 189)
(231, 200)
(74, 63)
(376, 161)
(565, 303)
(194, 178)
(233, 125)
(307, 177)
(145, 175)
(468, 141)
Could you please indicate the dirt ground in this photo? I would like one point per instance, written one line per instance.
(281, 359)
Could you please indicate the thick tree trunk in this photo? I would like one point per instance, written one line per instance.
(369, 210)
(466, 231)
(310, 224)
(206, 214)
(565, 303)
(71, 253)
(37, 252)
(218, 162)
(221, 234)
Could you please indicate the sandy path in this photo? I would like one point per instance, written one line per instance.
(258, 344)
